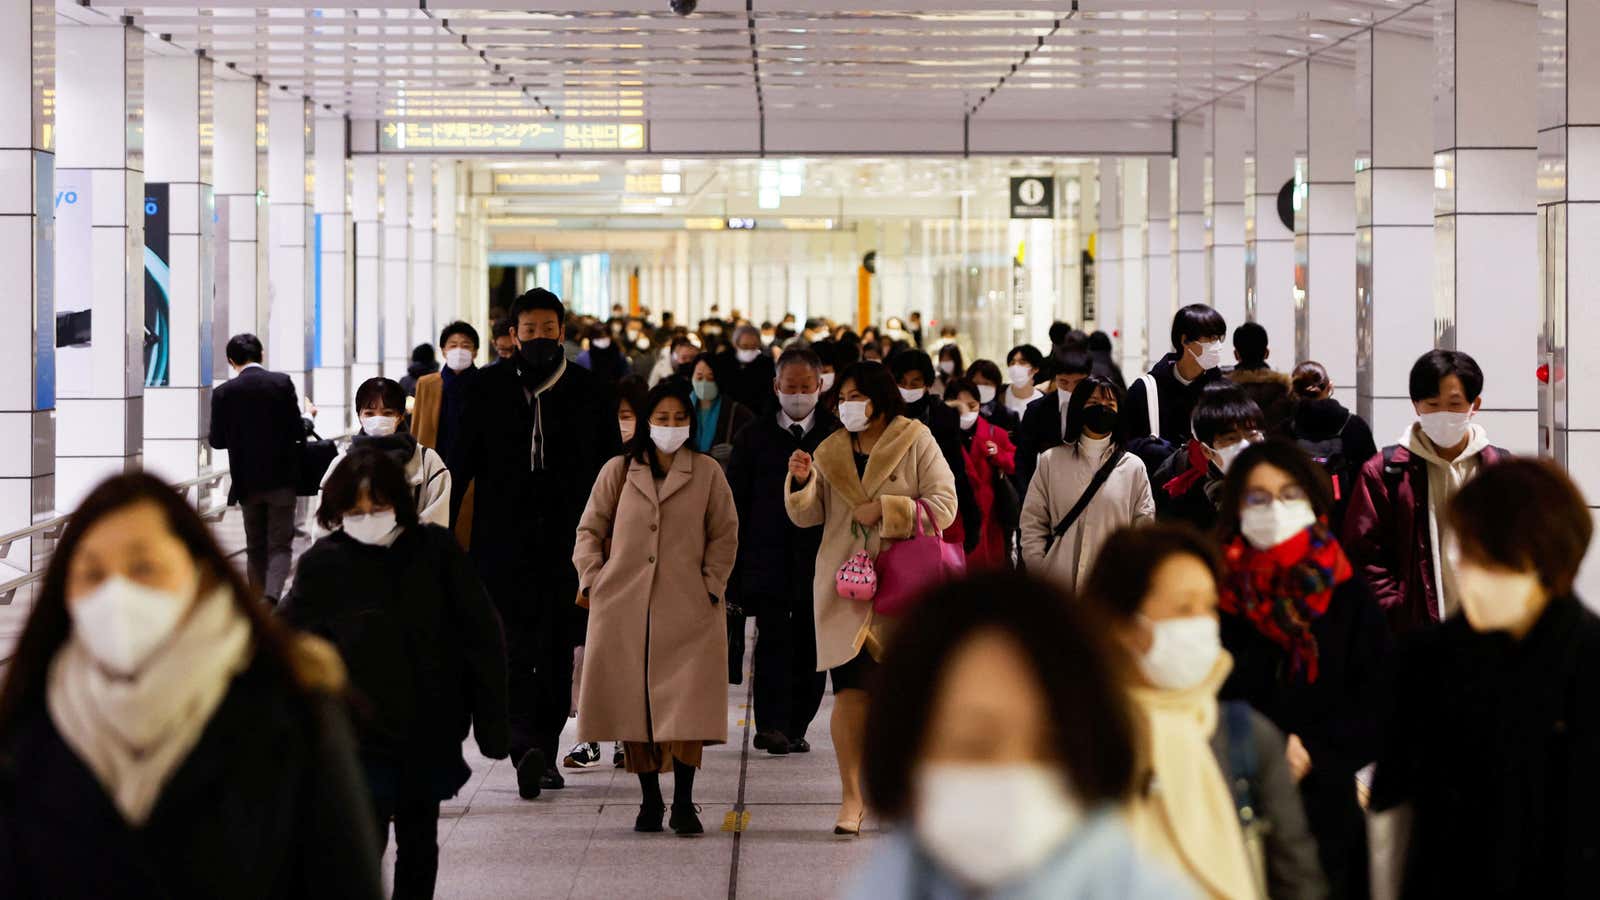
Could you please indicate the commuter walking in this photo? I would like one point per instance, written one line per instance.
(777, 559)
(1173, 385)
(436, 412)
(603, 357)
(534, 435)
(1006, 754)
(913, 371)
(718, 418)
(422, 645)
(1044, 425)
(1394, 527)
(162, 735)
(1085, 490)
(950, 368)
(1100, 350)
(1214, 787)
(869, 478)
(1308, 641)
(1490, 743)
(986, 377)
(1335, 437)
(1023, 365)
(1188, 486)
(423, 362)
(990, 459)
(504, 341)
(749, 371)
(255, 416)
(1269, 388)
(655, 547)
(381, 406)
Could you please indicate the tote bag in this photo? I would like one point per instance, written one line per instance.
(909, 568)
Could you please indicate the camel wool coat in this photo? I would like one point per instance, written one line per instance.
(654, 559)
(905, 465)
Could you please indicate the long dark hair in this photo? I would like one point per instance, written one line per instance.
(49, 623)
(642, 449)
(1081, 395)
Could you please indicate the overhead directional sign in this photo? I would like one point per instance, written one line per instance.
(1033, 197)
(510, 137)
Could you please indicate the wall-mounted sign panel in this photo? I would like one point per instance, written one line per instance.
(578, 182)
(510, 137)
(1033, 197)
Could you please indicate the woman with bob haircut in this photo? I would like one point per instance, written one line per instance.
(1006, 752)
(160, 731)
(1490, 744)
(380, 405)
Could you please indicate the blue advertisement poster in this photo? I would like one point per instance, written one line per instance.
(157, 287)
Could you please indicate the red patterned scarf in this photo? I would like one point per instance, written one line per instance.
(1282, 591)
(1199, 465)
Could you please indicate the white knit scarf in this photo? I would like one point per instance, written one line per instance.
(133, 734)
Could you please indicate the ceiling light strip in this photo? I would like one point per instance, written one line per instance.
(1026, 55)
(755, 67)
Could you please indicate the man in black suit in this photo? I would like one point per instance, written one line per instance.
(772, 577)
(748, 372)
(534, 434)
(913, 370)
(1045, 420)
(256, 418)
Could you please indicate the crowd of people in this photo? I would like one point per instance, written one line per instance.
(1211, 640)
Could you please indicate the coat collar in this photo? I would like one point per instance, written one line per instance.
(643, 480)
(836, 460)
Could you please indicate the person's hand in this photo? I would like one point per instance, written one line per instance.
(1299, 759)
(991, 448)
(800, 466)
(869, 514)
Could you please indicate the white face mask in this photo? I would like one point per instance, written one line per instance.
(378, 529)
(985, 394)
(1183, 653)
(912, 395)
(1223, 457)
(968, 420)
(1495, 600)
(827, 381)
(600, 343)
(1210, 355)
(668, 438)
(1021, 376)
(853, 413)
(747, 356)
(990, 824)
(625, 427)
(379, 426)
(797, 406)
(947, 366)
(1445, 429)
(122, 622)
(1268, 526)
(458, 358)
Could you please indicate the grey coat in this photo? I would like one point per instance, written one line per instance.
(1293, 869)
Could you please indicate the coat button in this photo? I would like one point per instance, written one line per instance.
(894, 477)
(652, 560)
(652, 528)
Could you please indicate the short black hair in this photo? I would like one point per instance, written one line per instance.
(1071, 362)
(642, 449)
(1029, 352)
(535, 300)
(873, 379)
(1074, 340)
(1223, 407)
(1127, 563)
(1250, 342)
(799, 356)
(462, 328)
(826, 351)
(377, 472)
(1058, 332)
(988, 371)
(1099, 342)
(422, 353)
(382, 393)
(506, 327)
(1281, 455)
(958, 385)
(1070, 652)
(1081, 395)
(1435, 366)
(1524, 514)
(244, 348)
(907, 361)
(1197, 321)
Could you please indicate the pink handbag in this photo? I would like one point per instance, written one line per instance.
(857, 579)
(911, 567)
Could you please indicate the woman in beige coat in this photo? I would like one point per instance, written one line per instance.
(654, 551)
(870, 475)
(1093, 435)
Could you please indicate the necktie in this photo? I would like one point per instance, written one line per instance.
(798, 432)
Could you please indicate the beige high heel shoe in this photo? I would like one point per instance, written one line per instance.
(847, 828)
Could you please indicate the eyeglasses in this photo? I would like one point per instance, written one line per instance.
(1258, 497)
(1254, 437)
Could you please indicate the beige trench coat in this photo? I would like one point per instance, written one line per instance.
(656, 664)
(904, 466)
(1060, 480)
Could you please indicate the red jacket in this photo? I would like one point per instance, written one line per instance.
(1387, 537)
(991, 550)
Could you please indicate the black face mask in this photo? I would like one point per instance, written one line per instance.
(1099, 419)
(540, 357)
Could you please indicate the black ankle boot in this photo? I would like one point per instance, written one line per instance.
(649, 821)
(686, 821)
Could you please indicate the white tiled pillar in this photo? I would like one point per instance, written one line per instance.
(446, 275)
(241, 260)
(1158, 266)
(1190, 257)
(1135, 221)
(178, 108)
(396, 268)
(290, 263)
(99, 124)
(1325, 241)
(1485, 214)
(423, 328)
(1108, 247)
(334, 267)
(1394, 231)
(1230, 134)
(369, 269)
(1269, 244)
(27, 367)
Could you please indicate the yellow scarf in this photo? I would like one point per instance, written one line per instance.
(1186, 815)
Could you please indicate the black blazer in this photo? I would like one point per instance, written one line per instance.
(255, 416)
(270, 805)
(1041, 429)
(774, 554)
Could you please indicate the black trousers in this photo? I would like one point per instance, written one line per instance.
(1340, 828)
(416, 838)
(539, 649)
(788, 688)
(269, 539)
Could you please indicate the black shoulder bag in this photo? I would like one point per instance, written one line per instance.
(1095, 484)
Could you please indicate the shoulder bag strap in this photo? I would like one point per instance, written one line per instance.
(1152, 403)
(1095, 484)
